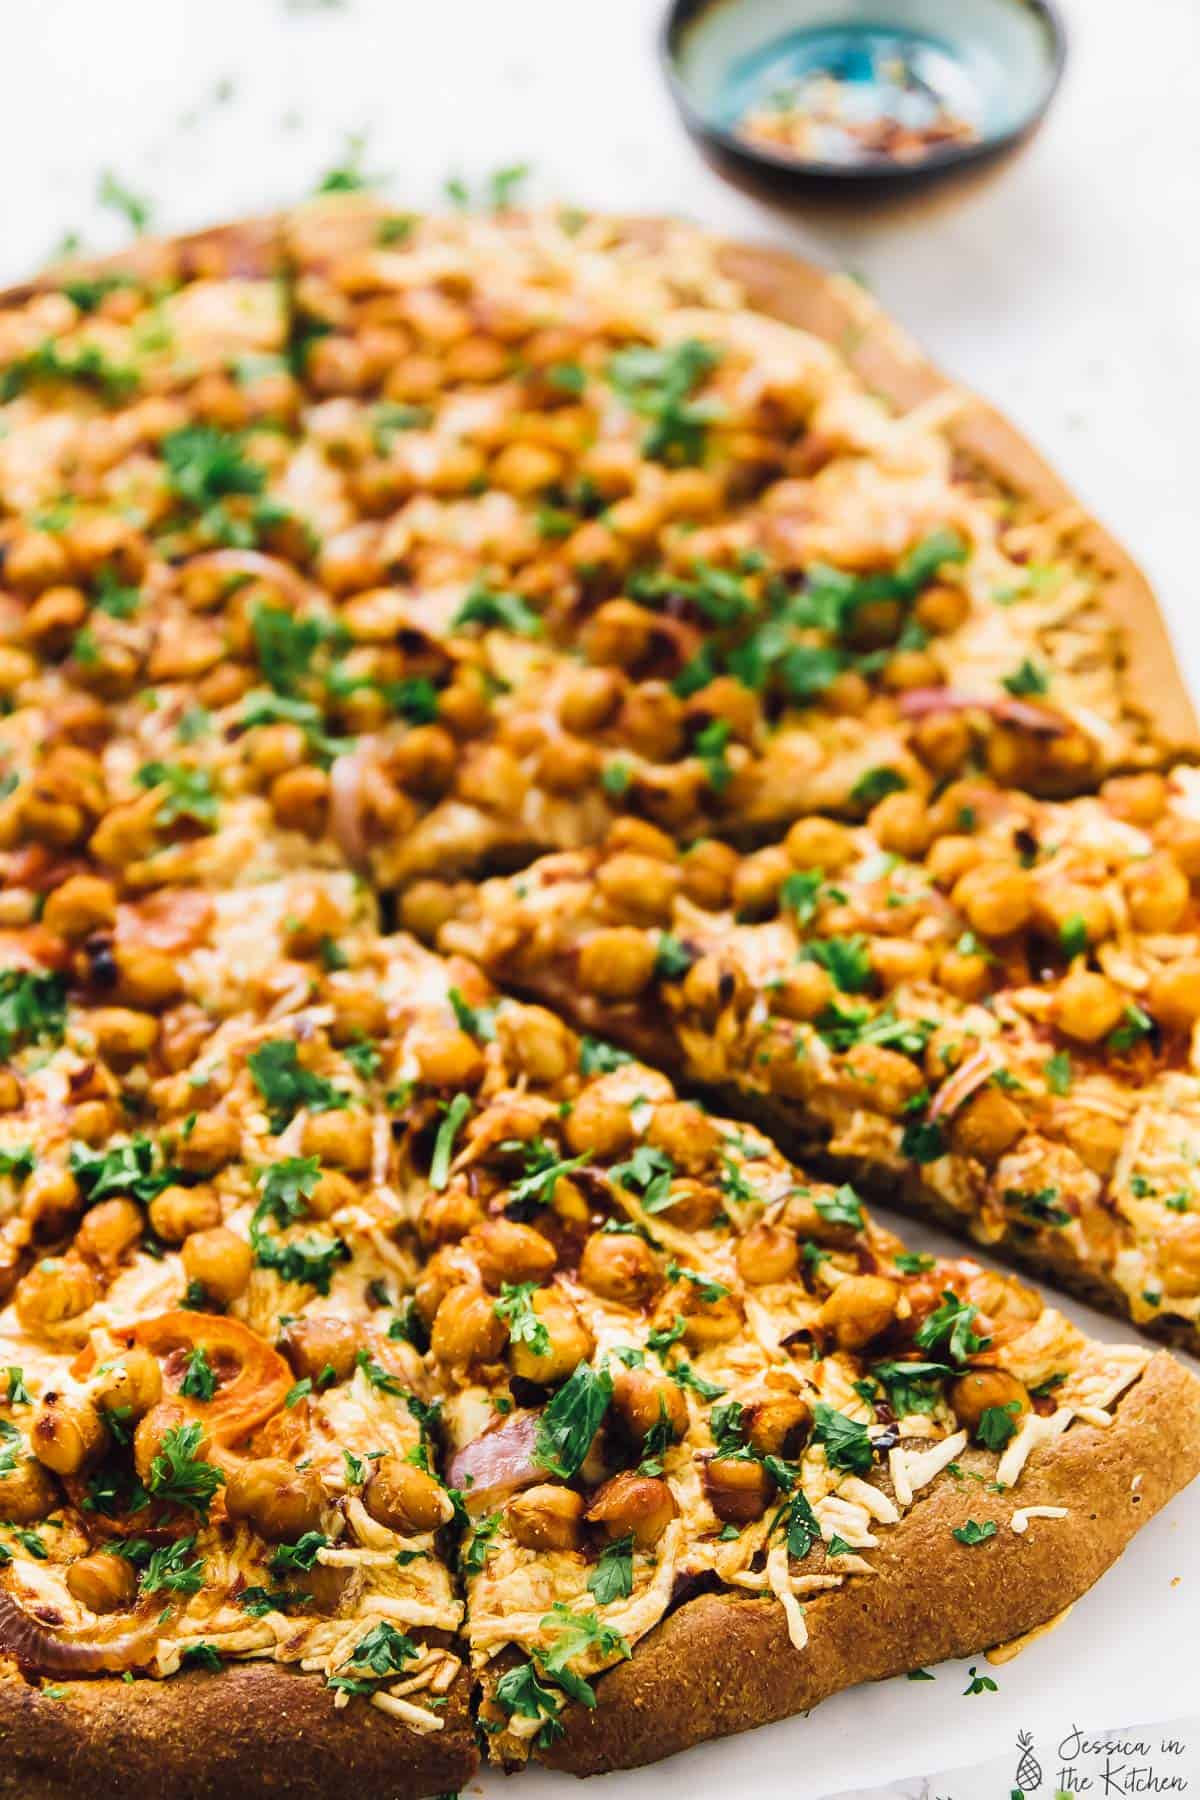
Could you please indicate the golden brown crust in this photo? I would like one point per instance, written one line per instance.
(203, 1737)
(838, 309)
(720, 1665)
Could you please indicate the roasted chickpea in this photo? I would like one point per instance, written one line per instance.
(67, 1433)
(739, 1489)
(1088, 1006)
(130, 1385)
(146, 978)
(705, 1321)
(446, 1218)
(167, 1416)
(124, 1037)
(55, 1290)
(598, 1125)
(320, 1346)
(620, 1267)
(426, 906)
(1139, 799)
(447, 1058)
(546, 1517)
(219, 1262)
(505, 1250)
(333, 1191)
(986, 1390)
(757, 882)
(859, 1309)
(81, 905)
(103, 1582)
(805, 991)
(643, 1401)
(897, 961)
(1068, 906)
(997, 899)
(275, 1499)
(568, 1341)
(1174, 994)
(965, 974)
(641, 1504)
(405, 1498)
(987, 1125)
(901, 823)
(466, 1329)
(817, 843)
(1179, 1258)
(27, 1492)
(778, 1425)
(179, 1211)
(641, 887)
(708, 869)
(616, 964)
(693, 1205)
(538, 1042)
(51, 1201)
(1157, 892)
(109, 1230)
(342, 1138)
(767, 1253)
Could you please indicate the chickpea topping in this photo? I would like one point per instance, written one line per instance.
(219, 1262)
(103, 1582)
(859, 1309)
(643, 1401)
(67, 1433)
(1158, 893)
(616, 964)
(997, 899)
(620, 1267)
(1088, 1006)
(447, 1058)
(643, 887)
(178, 1211)
(758, 880)
(988, 1125)
(778, 1425)
(333, 1191)
(982, 1390)
(321, 1347)
(817, 843)
(278, 1501)
(404, 1498)
(83, 904)
(109, 1230)
(466, 1329)
(767, 1253)
(27, 1492)
(597, 1125)
(212, 1140)
(505, 1250)
(538, 1042)
(569, 1341)
(547, 1517)
(901, 823)
(54, 1290)
(345, 1139)
(1173, 997)
(641, 1504)
(739, 1490)
(130, 1385)
(1140, 799)
(805, 992)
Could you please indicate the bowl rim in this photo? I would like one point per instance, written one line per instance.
(944, 157)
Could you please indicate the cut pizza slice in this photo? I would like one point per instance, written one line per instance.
(984, 1007)
(225, 1529)
(696, 1402)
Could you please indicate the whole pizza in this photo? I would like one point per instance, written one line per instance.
(546, 761)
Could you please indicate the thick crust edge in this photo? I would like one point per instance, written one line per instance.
(204, 1736)
(720, 1664)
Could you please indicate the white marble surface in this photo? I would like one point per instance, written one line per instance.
(1067, 287)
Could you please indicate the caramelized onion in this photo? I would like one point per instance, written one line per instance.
(919, 703)
(347, 804)
(497, 1464)
(259, 567)
(962, 1084)
(40, 1651)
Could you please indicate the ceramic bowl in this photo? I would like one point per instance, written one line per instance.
(857, 95)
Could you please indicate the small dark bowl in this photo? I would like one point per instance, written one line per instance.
(995, 64)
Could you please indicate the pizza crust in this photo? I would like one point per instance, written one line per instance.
(722, 1664)
(206, 1736)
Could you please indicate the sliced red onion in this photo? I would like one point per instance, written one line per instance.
(259, 567)
(497, 1464)
(40, 1651)
(969, 1076)
(347, 804)
(920, 703)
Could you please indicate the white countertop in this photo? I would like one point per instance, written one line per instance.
(1066, 287)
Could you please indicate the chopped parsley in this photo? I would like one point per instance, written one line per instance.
(571, 1420)
(286, 1085)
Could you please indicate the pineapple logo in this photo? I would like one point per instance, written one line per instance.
(1029, 1770)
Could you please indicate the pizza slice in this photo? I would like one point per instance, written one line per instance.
(697, 1403)
(985, 1007)
(225, 1530)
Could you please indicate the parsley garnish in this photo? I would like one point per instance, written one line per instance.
(571, 1420)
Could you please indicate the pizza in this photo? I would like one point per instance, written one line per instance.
(985, 1007)
(394, 1360)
